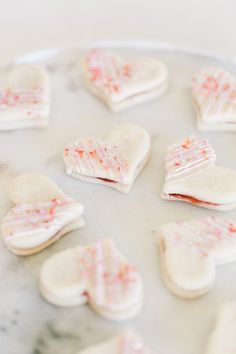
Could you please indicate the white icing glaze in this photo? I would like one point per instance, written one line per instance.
(113, 283)
(117, 79)
(93, 157)
(107, 71)
(116, 159)
(127, 342)
(110, 284)
(24, 96)
(210, 235)
(30, 225)
(188, 156)
(192, 176)
(214, 91)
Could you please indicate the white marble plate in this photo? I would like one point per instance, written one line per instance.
(29, 325)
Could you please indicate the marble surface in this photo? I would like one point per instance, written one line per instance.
(29, 325)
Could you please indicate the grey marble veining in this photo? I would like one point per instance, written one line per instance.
(29, 325)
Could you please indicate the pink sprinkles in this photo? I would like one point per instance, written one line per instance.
(17, 98)
(107, 71)
(214, 90)
(27, 218)
(201, 236)
(216, 82)
(93, 157)
(110, 278)
(188, 156)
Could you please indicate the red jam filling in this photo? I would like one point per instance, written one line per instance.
(106, 180)
(191, 199)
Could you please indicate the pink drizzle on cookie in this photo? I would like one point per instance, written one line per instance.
(111, 280)
(13, 98)
(201, 236)
(93, 157)
(32, 100)
(26, 219)
(214, 90)
(188, 156)
(107, 71)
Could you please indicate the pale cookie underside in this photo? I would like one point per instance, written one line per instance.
(24, 123)
(131, 101)
(171, 284)
(125, 314)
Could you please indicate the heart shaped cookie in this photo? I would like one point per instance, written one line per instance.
(115, 161)
(41, 216)
(24, 97)
(222, 338)
(97, 274)
(122, 83)
(191, 250)
(128, 342)
(214, 98)
(193, 177)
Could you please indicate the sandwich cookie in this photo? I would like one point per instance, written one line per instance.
(128, 342)
(41, 216)
(192, 176)
(214, 99)
(123, 83)
(191, 250)
(115, 161)
(24, 97)
(96, 274)
(223, 339)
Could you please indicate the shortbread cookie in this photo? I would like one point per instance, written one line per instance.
(115, 161)
(191, 250)
(97, 274)
(24, 97)
(128, 342)
(223, 339)
(122, 83)
(41, 216)
(214, 98)
(193, 177)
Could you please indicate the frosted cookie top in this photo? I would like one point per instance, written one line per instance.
(29, 225)
(24, 89)
(116, 79)
(94, 157)
(107, 70)
(202, 237)
(188, 156)
(112, 282)
(115, 159)
(214, 90)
